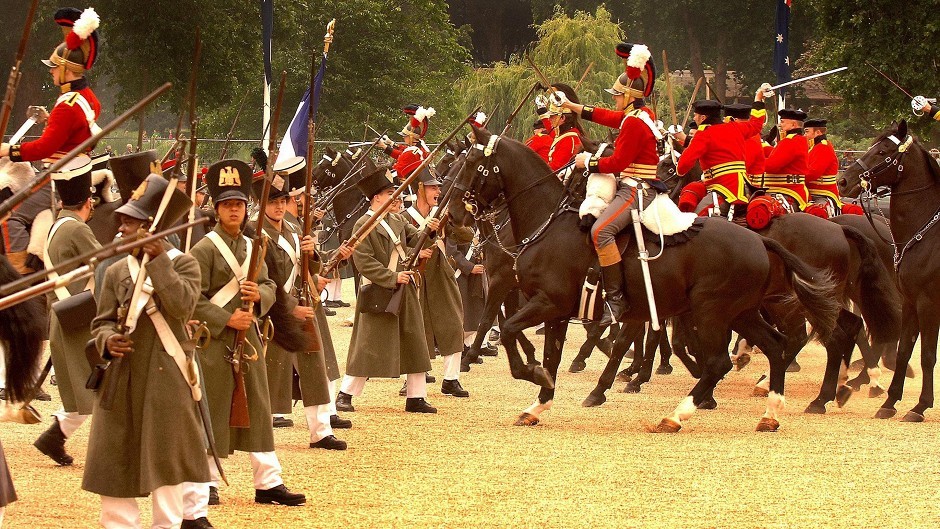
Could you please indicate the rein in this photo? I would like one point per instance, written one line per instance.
(871, 193)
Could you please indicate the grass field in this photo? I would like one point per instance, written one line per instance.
(582, 467)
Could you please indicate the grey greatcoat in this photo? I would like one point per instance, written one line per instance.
(472, 286)
(153, 435)
(310, 366)
(219, 381)
(387, 345)
(68, 347)
(440, 298)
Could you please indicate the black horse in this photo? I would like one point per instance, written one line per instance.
(899, 163)
(721, 275)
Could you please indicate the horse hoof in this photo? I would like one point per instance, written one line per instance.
(856, 386)
(885, 413)
(767, 424)
(526, 419)
(541, 376)
(843, 395)
(912, 416)
(631, 387)
(664, 370)
(624, 376)
(708, 404)
(666, 425)
(577, 366)
(875, 391)
(742, 360)
(815, 408)
(760, 392)
(794, 367)
(594, 400)
(857, 364)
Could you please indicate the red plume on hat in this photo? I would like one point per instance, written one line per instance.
(80, 31)
(639, 67)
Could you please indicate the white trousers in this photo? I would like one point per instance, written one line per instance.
(332, 386)
(334, 290)
(452, 366)
(266, 473)
(265, 469)
(121, 513)
(415, 383)
(70, 421)
(318, 421)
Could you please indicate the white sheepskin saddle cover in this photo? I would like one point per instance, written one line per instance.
(15, 175)
(663, 217)
(601, 188)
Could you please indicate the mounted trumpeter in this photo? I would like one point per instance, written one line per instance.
(72, 120)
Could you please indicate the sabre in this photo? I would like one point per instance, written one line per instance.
(814, 76)
(28, 124)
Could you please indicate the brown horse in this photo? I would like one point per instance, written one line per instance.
(899, 164)
(721, 276)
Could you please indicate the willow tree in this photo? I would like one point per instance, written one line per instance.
(565, 47)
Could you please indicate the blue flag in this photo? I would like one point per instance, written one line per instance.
(782, 42)
(295, 141)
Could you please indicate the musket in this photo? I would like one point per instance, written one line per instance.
(356, 238)
(688, 110)
(714, 93)
(353, 171)
(238, 418)
(516, 110)
(192, 163)
(228, 137)
(584, 76)
(307, 298)
(492, 113)
(538, 73)
(672, 99)
(43, 178)
(13, 80)
(12, 295)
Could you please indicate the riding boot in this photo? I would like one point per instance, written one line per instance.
(613, 290)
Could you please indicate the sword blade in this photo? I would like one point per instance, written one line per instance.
(22, 130)
(890, 80)
(808, 77)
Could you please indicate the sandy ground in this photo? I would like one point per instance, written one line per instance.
(468, 466)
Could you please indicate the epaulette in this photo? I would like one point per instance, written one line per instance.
(72, 99)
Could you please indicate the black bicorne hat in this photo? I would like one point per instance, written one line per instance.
(790, 113)
(815, 123)
(707, 107)
(738, 111)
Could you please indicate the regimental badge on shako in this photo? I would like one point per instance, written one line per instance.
(155, 167)
(228, 176)
(140, 191)
(278, 183)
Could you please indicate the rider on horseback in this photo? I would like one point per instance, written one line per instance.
(567, 134)
(924, 105)
(786, 163)
(410, 155)
(822, 171)
(634, 159)
(719, 148)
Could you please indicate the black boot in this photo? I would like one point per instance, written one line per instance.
(198, 523)
(338, 423)
(344, 402)
(330, 442)
(213, 495)
(280, 495)
(52, 443)
(283, 422)
(419, 405)
(453, 387)
(613, 291)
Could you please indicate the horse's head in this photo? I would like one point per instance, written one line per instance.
(881, 165)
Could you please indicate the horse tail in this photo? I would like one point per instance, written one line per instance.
(879, 299)
(22, 331)
(813, 289)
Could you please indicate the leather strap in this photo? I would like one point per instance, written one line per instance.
(239, 271)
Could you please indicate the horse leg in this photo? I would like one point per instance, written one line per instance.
(712, 346)
(511, 304)
(628, 330)
(929, 325)
(594, 332)
(495, 296)
(639, 344)
(794, 331)
(645, 371)
(757, 331)
(838, 351)
(555, 331)
(665, 352)
(606, 344)
(681, 347)
(910, 329)
(529, 315)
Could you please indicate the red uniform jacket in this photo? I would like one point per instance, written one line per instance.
(822, 170)
(635, 150)
(786, 168)
(409, 159)
(563, 149)
(720, 151)
(67, 127)
(541, 144)
(754, 159)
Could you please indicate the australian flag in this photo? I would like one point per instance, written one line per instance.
(295, 141)
(782, 43)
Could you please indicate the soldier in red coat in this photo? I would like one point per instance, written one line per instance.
(753, 149)
(786, 167)
(633, 162)
(542, 132)
(822, 170)
(71, 122)
(567, 134)
(409, 155)
(719, 148)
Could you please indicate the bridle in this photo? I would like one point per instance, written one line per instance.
(871, 193)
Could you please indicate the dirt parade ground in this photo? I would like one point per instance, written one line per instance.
(582, 467)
